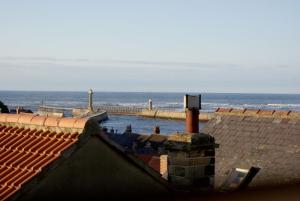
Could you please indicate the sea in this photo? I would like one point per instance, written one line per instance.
(171, 101)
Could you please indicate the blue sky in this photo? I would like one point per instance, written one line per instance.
(151, 45)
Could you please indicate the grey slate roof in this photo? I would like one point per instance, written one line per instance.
(267, 139)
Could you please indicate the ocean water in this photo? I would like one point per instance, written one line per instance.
(173, 101)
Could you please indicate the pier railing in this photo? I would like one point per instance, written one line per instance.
(47, 108)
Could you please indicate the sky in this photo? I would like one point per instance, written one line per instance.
(237, 46)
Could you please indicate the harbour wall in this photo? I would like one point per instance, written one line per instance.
(166, 114)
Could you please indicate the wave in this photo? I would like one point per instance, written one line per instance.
(283, 105)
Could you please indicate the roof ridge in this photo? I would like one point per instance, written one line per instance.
(286, 114)
(37, 121)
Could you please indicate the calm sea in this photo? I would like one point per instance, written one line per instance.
(210, 101)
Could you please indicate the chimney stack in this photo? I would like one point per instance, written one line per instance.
(192, 105)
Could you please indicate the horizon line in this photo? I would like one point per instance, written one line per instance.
(179, 92)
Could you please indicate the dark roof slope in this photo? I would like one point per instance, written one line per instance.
(97, 171)
(263, 138)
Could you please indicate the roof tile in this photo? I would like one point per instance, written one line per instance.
(295, 115)
(12, 118)
(259, 113)
(251, 112)
(281, 113)
(26, 119)
(80, 123)
(38, 120)
(51, 121)
(3, 117)
(25, 152)
(224, 110)
(67, 122)
(266, 112)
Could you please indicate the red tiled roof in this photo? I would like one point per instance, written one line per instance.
(24, 152)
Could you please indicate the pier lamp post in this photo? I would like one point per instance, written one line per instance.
(90, 103)
(150, 104)
(192, 105)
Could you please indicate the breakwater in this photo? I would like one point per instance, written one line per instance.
(167, 114)
(154, 113)
(124, 110)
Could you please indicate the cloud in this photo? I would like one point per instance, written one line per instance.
(117, 63)
(41, 62)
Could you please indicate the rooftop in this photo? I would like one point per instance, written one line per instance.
(37, 151)
(265, 138)
(28, 143)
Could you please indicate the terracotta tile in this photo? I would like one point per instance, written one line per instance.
(10, 176)
(6, 192)
(13, 141)
(2, 127)
(16, 156)
(295, 115)
(7, 129)
(74, 135)
(80, 123)
(26, 119)
(41, 162)
(37, 162)
(29, 160)
(45, 134)
(237, 111)
(3, 117)
(25, 152)
(266, 112)
(61, 147)
(38, 120)
(281, 114)
(6, 157)
(52, 121)
(6, 171)
(67, 122)
(19, 130)
(251, 112)
(224, 110)
(13, 180)
(20, 147)
(21, 160)
(12, 118)
(31, 144)
(50, 149)
(38, 145)
(21, 143)
(24, 178)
